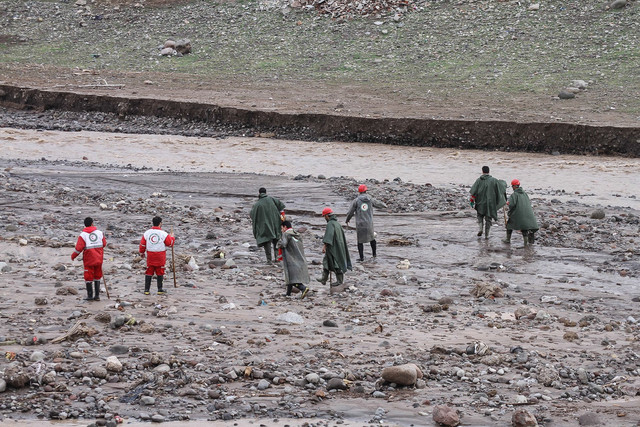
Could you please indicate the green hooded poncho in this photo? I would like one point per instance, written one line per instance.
(336, 256)
(294, 262)
(265, 216)
(490, 195)
(521, 215)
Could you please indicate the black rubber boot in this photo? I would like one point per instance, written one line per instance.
(147, 284)
(160, 290)
(532, 236)
(89, 291)
(508, 238)
(289, 289)
(303, 290)
(525, 236)
(361, 251)
(480, 225)
(373, 248)
(96, 290)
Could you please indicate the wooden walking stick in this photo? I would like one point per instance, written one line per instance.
(106, 288)
(173, 261)
(504, 211)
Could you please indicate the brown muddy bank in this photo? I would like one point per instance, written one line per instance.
(487, 135)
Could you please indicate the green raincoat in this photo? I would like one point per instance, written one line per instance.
(490, 195)
(336, 256)
(294, 262)
(265, 216)
(521, 215)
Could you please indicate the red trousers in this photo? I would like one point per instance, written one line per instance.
(92, 272)
(158, 269)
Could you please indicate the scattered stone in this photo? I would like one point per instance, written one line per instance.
(3, 385)
(589, 419)
(147, 400)
(119, 349)
(16, 377)
(598, 214)
(487, 290)
(524, 311)
(402, 375)
(336, 384)
(312, 378)
(157, 418)
(330, 324)
(565, 94)
(36, 356)
(66, 290)
(618, 4)
(291, 317)
(263, 384)
(99, 372)
(445, 415)
(183, 47)
(547, 375)
(41, 301)
(103, 317)
(580, 84)
(523, 418)
(113, 364)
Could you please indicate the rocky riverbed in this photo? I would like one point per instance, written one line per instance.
(476, 329)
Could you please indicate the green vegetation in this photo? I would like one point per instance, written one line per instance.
(451, 47)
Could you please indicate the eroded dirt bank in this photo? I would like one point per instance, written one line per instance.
(427, 132)
(561, 330)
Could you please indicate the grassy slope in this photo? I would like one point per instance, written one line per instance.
(484, 48)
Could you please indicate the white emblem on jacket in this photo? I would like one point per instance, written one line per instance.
(155, 240)
(92, 240)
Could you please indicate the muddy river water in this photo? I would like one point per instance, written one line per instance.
(599, 180)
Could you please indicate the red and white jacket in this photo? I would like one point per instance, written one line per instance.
(155, 242)
(92, 242)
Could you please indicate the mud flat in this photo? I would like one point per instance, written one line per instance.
(559, 320)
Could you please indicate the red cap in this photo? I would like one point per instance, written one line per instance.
(327, 211)
(515, 182)
(362, 188)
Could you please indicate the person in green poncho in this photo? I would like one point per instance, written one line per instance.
(266, 217)
(294, 262)
(521, 216)
(336, 254)
(488, 194)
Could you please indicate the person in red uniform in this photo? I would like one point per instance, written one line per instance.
(92, 242)
(155, 242)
